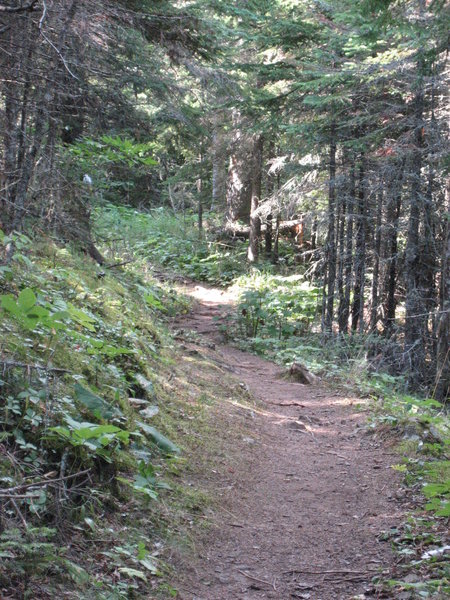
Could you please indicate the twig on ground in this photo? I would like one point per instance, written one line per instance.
(258, 579)
(336, 454)
(291, 403)
(120, 264)
(330, 572)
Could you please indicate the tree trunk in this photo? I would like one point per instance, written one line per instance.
(360, 252)
(344, 308)
(255, 221)
(275, 252)
(429, 268)
(239, 182)
(269, 228)
(442, 377)
(392, 220)
(219, 183)
(314, 227)
(200, 202)
(414, 350)
(376, 266)
(331, 236)
(342, 215)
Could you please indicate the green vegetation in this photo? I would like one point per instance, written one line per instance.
(169, 141)
(88, 425)
(84, 359)
(159, 238)
(277, 316)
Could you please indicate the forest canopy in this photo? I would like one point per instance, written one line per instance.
(331, 114)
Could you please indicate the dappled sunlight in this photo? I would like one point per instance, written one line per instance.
(210, 295)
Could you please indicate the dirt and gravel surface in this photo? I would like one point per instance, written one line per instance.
(303, 492)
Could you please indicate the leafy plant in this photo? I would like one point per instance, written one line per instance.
(99, 440)
(437, 489)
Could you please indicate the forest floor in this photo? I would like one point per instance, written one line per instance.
(302, 493)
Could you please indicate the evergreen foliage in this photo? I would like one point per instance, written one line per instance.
(175, 136)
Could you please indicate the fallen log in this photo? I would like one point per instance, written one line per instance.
(239, 231)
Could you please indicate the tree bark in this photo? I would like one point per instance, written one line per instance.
(269, 227)
(344, 308)
(392, 218)
(360, 252)
(331, 236)
(239, 181)
(376, 266)
(342, 216)
(255, 221)
(442, 376)
(219, 183)
(414, 350)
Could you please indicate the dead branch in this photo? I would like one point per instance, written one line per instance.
(257, 579)
(18, 488)
(120, 264)
(13, 363)
(331, 572)
(236, 230)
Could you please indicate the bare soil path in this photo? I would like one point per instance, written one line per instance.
(300, 516)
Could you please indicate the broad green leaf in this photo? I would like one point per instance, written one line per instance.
(149, 564)
(158, 438)
(26, 299)
(38, 312)
(133, 573)
(95, 431)
(96, 405)
(9, 304)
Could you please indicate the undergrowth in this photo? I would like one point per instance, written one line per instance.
(170, 242)
(96, 422)
(90, 425)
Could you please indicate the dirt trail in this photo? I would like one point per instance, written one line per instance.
(301, 518)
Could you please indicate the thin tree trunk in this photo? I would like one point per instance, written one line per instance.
(239, 178)
(255, 221)
(10, 157)
(344, 309)
(218, 171)
(376, 266)
(392, 219)
(275, 251)
(44, 102)
(331, 237)
(342, 216)
(199, 193)
(269, 228)
(414, 344)
(360, 252)
(314, 227)
(442, 376)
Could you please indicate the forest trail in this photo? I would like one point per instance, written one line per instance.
(304, 492)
